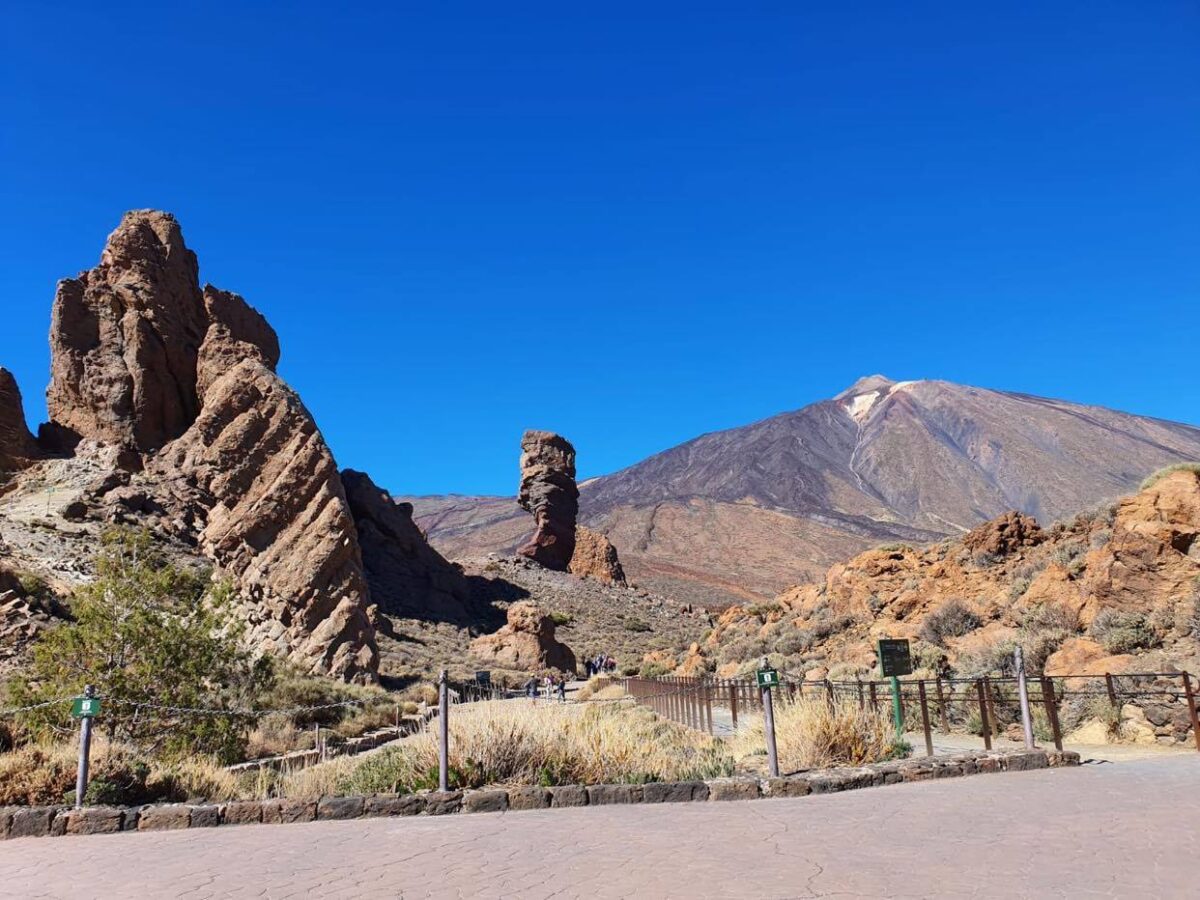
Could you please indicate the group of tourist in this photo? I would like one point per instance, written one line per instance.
(551, 683)
(602, 664)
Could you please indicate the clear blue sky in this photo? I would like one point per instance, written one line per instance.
(631, 223)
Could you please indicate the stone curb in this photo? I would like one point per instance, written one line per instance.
(50, 821)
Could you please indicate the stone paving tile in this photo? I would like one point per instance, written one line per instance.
(1112, 830)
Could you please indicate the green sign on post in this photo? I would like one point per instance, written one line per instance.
(895, 659)
(767, 678)
(84, 707)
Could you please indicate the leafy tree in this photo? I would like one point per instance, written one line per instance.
(148, 633)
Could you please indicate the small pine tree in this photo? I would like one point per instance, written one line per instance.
(148, 631)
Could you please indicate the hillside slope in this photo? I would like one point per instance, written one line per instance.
(741, 514)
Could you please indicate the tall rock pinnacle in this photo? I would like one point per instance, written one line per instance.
(549, 493)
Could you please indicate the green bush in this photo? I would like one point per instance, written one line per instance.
(1124, 632)
(147, 633)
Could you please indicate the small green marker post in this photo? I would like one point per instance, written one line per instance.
(897, 708)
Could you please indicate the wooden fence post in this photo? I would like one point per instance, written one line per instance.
(829, 693)
(985, 723)
(942, 707)
(925, 717)
(874, 698)
(1112, 690)
(1191, 702)
(858, 682)
(1052, 710)
(733, 702)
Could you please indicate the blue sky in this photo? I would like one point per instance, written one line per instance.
(631, 223)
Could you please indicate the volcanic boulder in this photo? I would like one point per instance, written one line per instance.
(596, 557)
(527, 643)
(407, 576)
(125, 337)
(17, 447)
(549, 493)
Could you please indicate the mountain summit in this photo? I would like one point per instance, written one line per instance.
(746, 512)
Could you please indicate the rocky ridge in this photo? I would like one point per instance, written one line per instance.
(1113, 590)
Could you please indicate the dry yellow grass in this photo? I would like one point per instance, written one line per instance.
(516, 742)
(810, 734)
(43, 773)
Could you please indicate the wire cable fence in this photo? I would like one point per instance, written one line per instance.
(985, 706)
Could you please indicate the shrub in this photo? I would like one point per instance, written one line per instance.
(1123, 632)
(951, 619)
(636, 625)
(147, 631)
(1051, 616)
(561, 618)
(992, 658)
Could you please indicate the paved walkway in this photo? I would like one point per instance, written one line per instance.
(1121, 830)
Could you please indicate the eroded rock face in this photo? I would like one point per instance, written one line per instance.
(1004, 534)
(125, 336)
(143, 359)
(596, 557)
(527, 643)
(17, 447)
(407, 576)
(549, 493)
(277, 520)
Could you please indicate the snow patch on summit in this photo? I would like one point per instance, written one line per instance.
(860, 406)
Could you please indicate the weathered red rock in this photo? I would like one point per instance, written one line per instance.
(17, 447)
(596, 557)
(125, 336)
(527, 643)
(1004, 534)
(549, 493)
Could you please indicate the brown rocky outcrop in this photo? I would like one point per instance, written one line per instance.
(276, 519)
(1004, 534)
(527, 643)
(125, 337)
(549, 493)
(142, 358)
(17, 447)
(407, 577)
(596, 557)
(1137, 561)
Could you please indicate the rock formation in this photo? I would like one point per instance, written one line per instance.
(125, 336)
(527, 643)
(596, 557)
(549, 493)
(142, 358)
(17, 447)
(407, 577)
(1004, 534)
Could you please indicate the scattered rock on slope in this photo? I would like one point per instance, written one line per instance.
(549, 493)
(527, 643)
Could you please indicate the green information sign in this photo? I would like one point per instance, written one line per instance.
(767, 678)
(81, 707)
(894, 658)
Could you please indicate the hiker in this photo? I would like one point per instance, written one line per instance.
(548, 681)
(562, 689)
(531, 687)
(590, 667)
